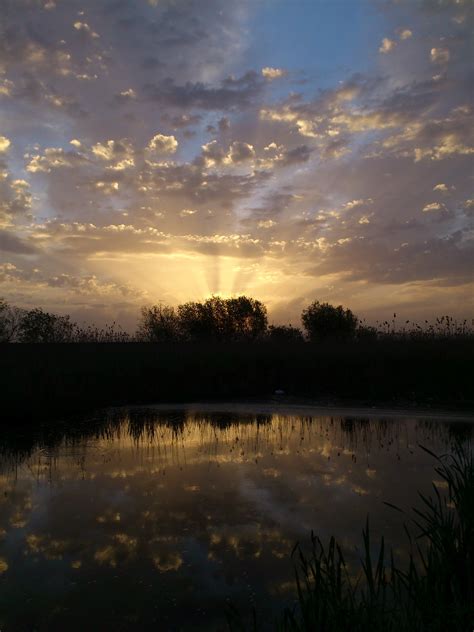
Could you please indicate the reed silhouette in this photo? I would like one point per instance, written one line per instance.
(432, 592)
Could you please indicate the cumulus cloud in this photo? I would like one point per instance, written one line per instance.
(4, 144)
(273, 73)
(163, 144)
(53, 158)
(237, 152)
(240, 152)
(387, 45)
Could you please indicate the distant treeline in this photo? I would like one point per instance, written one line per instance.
(221, 320)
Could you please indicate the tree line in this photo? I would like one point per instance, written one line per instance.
(218, 319)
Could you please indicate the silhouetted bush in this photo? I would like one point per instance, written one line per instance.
(109, 333)
(223, 319)
(366, 333)
(39, 326)
(10, 321)
(284, 334)
(217, 319)
(158, 323)
(323, 321)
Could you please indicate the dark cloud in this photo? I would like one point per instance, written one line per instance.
(376, 261)
(302, 153)
(229, 94)
(9, 242)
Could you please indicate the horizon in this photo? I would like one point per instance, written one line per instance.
(167, 151)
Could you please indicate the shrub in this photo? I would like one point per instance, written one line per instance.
(39, 326)
(323, 321)
(284, 334)
(158, 323)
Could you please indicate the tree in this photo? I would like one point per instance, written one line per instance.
(39, 326)
(247, 317)
(204, 321)
(158, 323)
(10, 320)
(215, 319)
(285, 334)
(323, 321)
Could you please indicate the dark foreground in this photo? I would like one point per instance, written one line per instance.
(147, 519)
(57, 379)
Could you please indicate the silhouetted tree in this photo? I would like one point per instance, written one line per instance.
(10, 321)
(158, 323)
(247, 317)
(223, 319)
(284, 334)
(39, 326)
(203, 321)
(323, 321)
(240, 318)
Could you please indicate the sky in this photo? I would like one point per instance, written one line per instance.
(291, 150)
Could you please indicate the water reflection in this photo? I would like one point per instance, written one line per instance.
(140, 519)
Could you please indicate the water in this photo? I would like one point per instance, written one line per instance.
(142, 520)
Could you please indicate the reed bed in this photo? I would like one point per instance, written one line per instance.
(432, 592)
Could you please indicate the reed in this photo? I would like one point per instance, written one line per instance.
(432, 592)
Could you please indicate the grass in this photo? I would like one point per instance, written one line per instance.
(432, 592)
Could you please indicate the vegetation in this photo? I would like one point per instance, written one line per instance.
(323, 321)
(433, 592)
(223, 321)
(39, 326)
(225, 349)
(216, 319)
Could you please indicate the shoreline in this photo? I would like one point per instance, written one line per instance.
(306, 408)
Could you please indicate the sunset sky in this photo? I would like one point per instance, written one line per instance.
(292, 150)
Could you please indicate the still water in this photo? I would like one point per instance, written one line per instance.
(141, 519)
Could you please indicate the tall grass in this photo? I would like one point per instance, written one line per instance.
(432, 592)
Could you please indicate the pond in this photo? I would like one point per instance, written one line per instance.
(139, 519)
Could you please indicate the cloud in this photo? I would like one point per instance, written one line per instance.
(432, 206)
(237, 152)
(231, 93)
(85, 28)
(181, 121)
(9, 242)
(287, 157)
(439, 55)
(54, 158)
(387, 45)
(240, 152)
(125, 96)
(163, 144)
(405, 34)
(273, 73)
(4, 144)
(468, 206)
